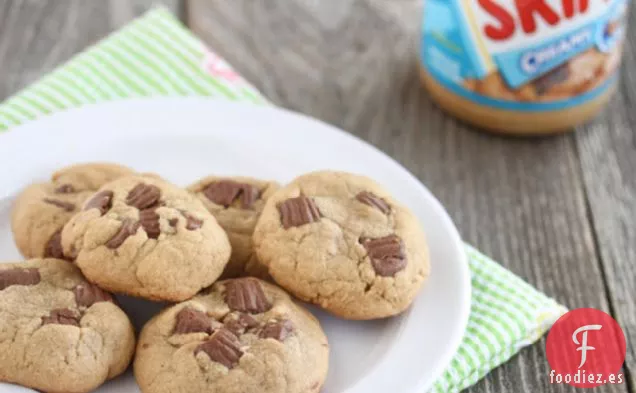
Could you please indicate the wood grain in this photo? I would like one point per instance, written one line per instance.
(353, 64)
(36, 36)
(607, 149)
(560, 212)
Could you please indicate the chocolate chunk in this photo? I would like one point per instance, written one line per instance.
(553, 77)
(127, 229)
(149, 220)
(192, 222)
(143, 196)
(225, 192)
(386, 254)
(222, 347)
(61, 316)
(234, 326)
(369, 198)
(222, 192)
(87, 294)
(19, 276)
(69, 207)
(249, 195)
(54, 246)
(298, 211)
(102, 200)
(190, 320)
(278, 330)
(173, 222)
(246, 295)
(239, 323)
(65, 189)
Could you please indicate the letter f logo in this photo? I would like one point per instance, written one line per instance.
(583, 344)
(578, 330)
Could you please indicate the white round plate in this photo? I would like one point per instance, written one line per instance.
(184, 139)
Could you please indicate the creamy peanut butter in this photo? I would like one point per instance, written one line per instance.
(522, 67)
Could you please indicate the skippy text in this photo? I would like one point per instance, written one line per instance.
(503, 19)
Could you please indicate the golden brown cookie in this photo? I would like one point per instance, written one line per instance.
(344, 243)
(241, 336)
(59, 333)
(42, 209)
(145, 237)
(237, 203)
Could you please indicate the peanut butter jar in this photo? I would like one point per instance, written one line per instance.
(528, 67)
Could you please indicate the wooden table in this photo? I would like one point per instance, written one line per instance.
(558, 211)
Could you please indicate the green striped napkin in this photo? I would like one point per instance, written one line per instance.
(157, 56)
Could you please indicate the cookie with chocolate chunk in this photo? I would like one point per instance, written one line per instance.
(237, 203)
(241, 335)
(58, 332)
(341, 241)
(42, 209)
(145, 237)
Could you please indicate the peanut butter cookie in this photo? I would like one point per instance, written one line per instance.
(145, 237)
(237, 203)
(42, 209)
(342, 242)
(59, 333)
(240, 336)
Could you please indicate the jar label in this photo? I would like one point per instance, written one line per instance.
(529, 55)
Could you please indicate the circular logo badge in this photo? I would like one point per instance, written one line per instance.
(586, 348)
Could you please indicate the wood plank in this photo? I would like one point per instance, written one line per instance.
(521, 201)
(607, 149)
(36, 36)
